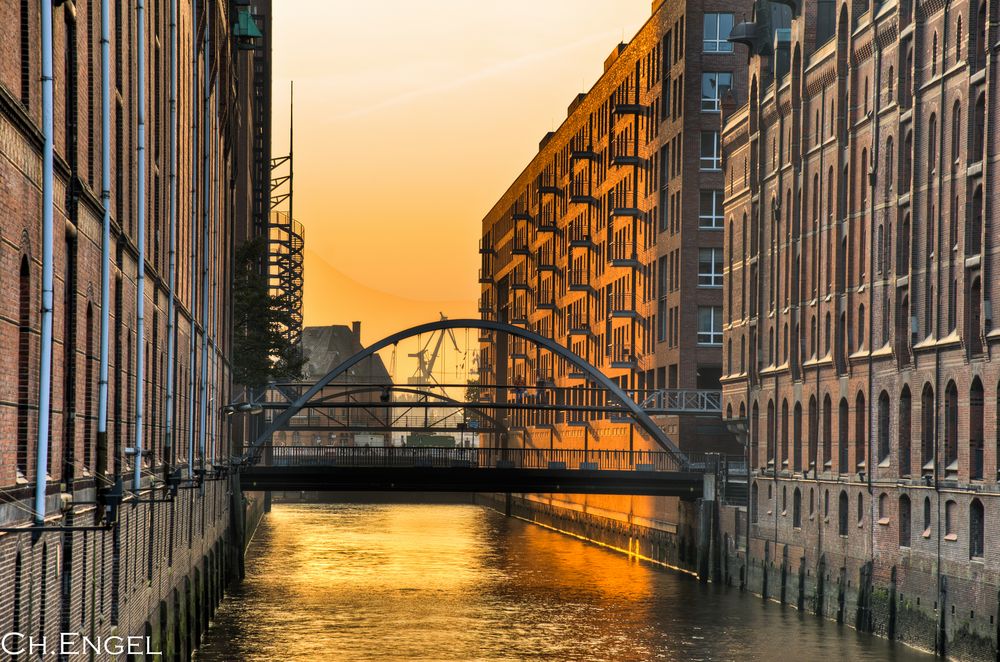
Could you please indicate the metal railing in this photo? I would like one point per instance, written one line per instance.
(501, 458)
(686, 400)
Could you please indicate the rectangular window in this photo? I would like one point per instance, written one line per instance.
(711, 151)
(710, 212)
(710, 267)
(714, 87)
(717, 29)
(709, 325)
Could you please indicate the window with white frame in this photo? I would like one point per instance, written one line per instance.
(710, 210)
(714, 87)
(710, 267)
(717, 29)
(709, 325)
(711, 151)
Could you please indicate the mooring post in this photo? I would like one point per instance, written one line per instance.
(707, 522)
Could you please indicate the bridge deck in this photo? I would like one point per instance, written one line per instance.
(332, 468)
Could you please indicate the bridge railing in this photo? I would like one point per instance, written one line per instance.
(502, 458)
(695, 401)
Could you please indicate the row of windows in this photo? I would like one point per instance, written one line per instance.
(976, 517)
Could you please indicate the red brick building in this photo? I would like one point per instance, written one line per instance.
(610, 241)
(858, 330)
(162, 570)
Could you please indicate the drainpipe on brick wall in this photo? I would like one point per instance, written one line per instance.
(206, 249)
(168, 441)
(102, 379)
(45, 369)
(140, 239)
(192, 366)
(872, 180)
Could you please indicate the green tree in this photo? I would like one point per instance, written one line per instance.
(261, 352)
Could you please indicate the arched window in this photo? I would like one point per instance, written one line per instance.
(883, 508)
(755, 436)
(861, 508)
(828, 431)
(927, 428)
(958, 40)
(981, 36)
(907, 172)
(927, 516)
(883, 427)
(977, 529)
(903, 254)
(860, 426)
(842, 514)
(905, 410)
(813, 432)
(861, 324)
(974, 311)
(956, 134)
(843, 425)
(797, 509)
(950, 520)
(797, 438)
(889, 173)
(904, 520)
(770, 431)
(951, 427)
(934, 52)
(784, 433)
(907, 91)
(973, 238)
(891, 87)
(976, 436)
(979, 129)
(88, 389)
(23, 367)
(932, 144)
(754, 495)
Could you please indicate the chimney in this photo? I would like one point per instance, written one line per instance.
(356, 330)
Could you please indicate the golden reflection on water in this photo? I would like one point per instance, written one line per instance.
(453, 582)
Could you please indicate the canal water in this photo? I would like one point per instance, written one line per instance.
(455, 582)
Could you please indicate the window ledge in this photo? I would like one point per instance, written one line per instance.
(926, 533)
(951, 537)
(883, 521)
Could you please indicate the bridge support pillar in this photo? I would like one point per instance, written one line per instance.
(508, 504)
(709, 549)
(237, 524)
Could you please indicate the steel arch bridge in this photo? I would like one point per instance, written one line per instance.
(624, 403)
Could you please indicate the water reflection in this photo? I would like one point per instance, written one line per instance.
(445, 582)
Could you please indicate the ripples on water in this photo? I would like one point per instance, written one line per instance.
(452, 582)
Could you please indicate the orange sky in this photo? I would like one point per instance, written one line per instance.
(411, 119)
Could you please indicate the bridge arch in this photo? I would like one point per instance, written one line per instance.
(634, 410)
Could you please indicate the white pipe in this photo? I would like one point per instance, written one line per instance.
(140, 238)
(206, 249)
(102, 383)
(45, 369)
(168, 441)
(192, 373)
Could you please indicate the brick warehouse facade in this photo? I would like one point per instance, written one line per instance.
(858, 333)
(610, 242)
(162, 570)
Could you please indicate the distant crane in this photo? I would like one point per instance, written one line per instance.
(424, 373)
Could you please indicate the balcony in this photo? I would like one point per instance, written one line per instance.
(547, 222)
(485, 304)
(486, 246)
(547, 184)
(486, 276)
(626, 102)
(621, 305)
(520, 244)
(518, 278)
(522, 215)
(622, 356)
(579, 234)
(578, 324)
(624, 152)
(519, 348)
(580, 191)
(623, 254)
(545, 258)
(579, 279)
(581, 147)
(518, 314)
(546, 297)
(623, 203)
